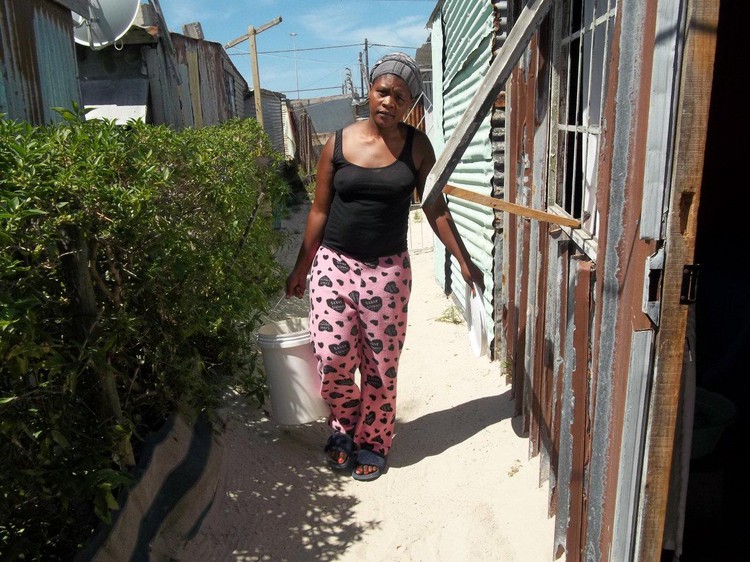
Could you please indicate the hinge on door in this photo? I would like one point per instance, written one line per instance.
(652, 286)
(689, 288)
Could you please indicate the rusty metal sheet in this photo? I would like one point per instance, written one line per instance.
(557, 312)
(38, 60)
(574, 424)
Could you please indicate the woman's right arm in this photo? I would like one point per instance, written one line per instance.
(316, 223)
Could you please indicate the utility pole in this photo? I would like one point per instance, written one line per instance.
(367, 65)
(296, 75)
(250, 36)
(348, 86)
(361, 77)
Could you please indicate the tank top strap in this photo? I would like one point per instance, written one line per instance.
(407, 152)
(338, 151)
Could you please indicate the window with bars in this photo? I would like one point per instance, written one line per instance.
(582, 38)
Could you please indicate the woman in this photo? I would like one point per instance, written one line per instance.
(355, 248)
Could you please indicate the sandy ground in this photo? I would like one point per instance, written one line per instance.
(459, 485)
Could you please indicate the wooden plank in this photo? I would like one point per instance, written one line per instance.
(509, 207)
(690, 144)
(499, 71)
(191, 56)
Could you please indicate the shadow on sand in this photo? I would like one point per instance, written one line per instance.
(275, 499)
(437, 432)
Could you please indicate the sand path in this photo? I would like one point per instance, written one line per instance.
(459, 486)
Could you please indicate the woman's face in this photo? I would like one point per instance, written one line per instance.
(390, 99)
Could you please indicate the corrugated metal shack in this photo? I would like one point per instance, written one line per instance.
(210, 81)
(602, 141)
(37, 58)
(276, 120)
(162, 77)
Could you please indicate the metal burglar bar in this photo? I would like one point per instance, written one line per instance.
(584, 39)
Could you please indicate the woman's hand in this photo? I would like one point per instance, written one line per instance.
(296, 284)
(472, 275)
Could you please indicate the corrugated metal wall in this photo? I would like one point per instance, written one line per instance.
(290, 140)
(37, 60)
(273, 116)
(498, 136)
(577, 334)
(274, 120)
(467, 35)
(550, 314)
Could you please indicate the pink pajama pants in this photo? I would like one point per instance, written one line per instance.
(358, 318)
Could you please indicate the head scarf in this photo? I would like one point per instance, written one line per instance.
(403, 66)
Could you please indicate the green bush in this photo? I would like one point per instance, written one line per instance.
(136, 263)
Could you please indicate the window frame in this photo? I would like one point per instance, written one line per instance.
(572, 191)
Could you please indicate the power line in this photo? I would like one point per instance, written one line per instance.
(290, 58)
(392, 46)
(313, 89)
(313, 48)
(307, 49)
(325, 48)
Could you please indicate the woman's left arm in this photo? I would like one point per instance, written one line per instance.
(439, 216)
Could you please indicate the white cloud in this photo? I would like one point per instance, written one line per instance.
(352, 26)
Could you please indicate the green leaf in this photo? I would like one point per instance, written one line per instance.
(60, 439)
(65, 114)
(111, 501)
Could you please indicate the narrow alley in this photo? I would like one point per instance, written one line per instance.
(459, 484)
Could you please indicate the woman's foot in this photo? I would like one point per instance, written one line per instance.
(365, 469)
(339, 458)
(368, 465)
(339, 451)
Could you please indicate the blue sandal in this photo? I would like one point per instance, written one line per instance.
(339, 443)
(369, 458)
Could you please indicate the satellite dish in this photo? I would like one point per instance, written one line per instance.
(108, 21)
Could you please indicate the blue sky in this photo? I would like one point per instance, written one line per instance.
(317, 23)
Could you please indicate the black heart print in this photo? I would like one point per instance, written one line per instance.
(375, 345)
(373, 304)
(374, 381)
(341, 266)
(340, 349)
(336, 304)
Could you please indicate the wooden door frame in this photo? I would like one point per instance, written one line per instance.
(690, 143)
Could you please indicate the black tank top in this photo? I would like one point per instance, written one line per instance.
(370, 208)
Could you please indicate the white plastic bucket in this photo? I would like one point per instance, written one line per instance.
(291, 372)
